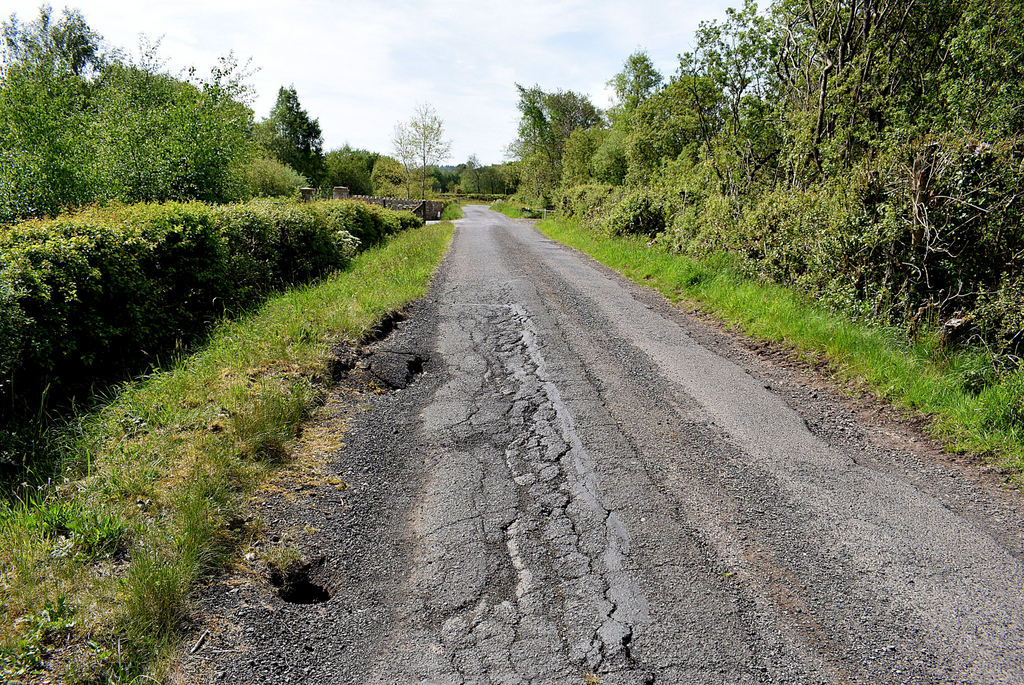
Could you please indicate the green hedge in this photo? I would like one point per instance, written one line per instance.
(944, 252)
(639, 213)
(588, 203)
(93, 295)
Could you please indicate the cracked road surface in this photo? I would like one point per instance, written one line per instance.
(586, 485)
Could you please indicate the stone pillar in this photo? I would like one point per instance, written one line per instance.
(341, 193)
(307, 194)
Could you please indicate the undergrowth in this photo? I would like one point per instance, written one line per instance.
(922, 376)
(97, 568)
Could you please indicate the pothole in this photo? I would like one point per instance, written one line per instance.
(383, 328)
(396, 370)
(388, 369)
(343, 360)
(303, 591)
(302, 582)
(365, 366)
(415, 365)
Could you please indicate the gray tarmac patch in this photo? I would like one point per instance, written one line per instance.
(563, 479)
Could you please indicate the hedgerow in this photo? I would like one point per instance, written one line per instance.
(639, 213)
(99, 565)
(91, 296)
(877, 170)
(941, 254)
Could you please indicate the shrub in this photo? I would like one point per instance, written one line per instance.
(47, 158)
(160, 138)
(88, 296)
(1001, 312)
(129, 133)
(639, 213)
(588, 202)
(267, 177)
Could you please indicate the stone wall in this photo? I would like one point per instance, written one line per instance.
(425, 209)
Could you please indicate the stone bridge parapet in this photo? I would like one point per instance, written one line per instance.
(424, 209)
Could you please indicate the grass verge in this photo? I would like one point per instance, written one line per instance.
(96, 570)
(514, 210)
(985, 419)
(452, 211)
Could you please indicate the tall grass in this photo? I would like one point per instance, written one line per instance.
(452, 210)
(920, 376)
(151, 480)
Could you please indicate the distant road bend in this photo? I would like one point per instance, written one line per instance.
(588, 486)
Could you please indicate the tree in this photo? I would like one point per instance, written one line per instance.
(67, 46)
(608, 164)
(351, 168)
(292, 136)
(159, 138)
(511, 175)
(579, 151)
(687, 110)
(445, 181)
(547, 121)
(388, 176)
(420, 143)
(981, 80)
(848, 69)
(78, 125)
(405, 152)
(490, 179)
(729, 79)
(636, 82)
(471, 174)
(47, 157)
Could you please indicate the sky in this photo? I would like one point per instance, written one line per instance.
(360, 66)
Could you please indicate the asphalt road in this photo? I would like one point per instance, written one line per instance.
(588, 485)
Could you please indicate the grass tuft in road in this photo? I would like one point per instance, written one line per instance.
(96, 571)
(920, 376)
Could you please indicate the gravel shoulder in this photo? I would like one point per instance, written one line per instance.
(551, 475)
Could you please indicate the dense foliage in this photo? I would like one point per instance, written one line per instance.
(81, 123)
(291, 135)
(91, 295)
(867, 152)
(351, 168)
(78, 125)
(473, 178)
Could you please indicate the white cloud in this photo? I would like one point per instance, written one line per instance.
(361, 65)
